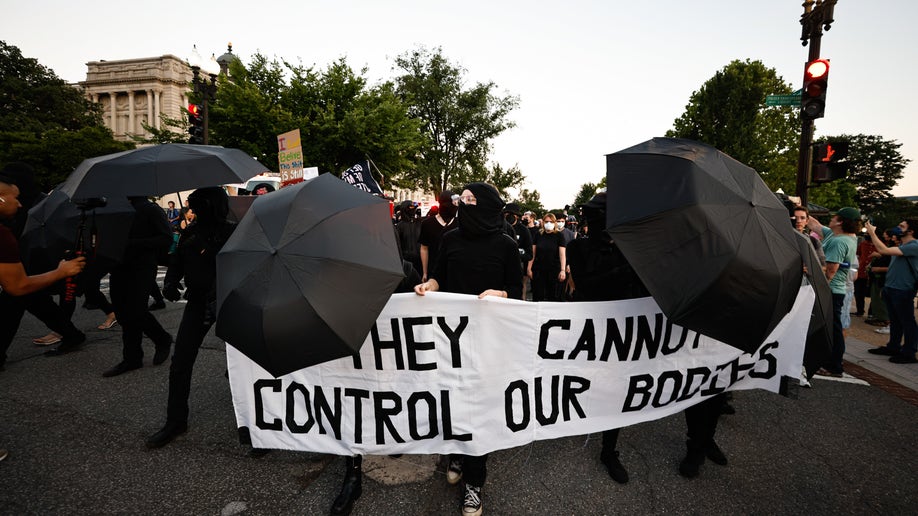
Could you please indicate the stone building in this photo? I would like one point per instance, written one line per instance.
(136, 91)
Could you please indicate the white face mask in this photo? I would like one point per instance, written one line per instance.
(549, 226)
(560, 224)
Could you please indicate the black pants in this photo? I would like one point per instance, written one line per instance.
(191, 333)
(609, 441)
(43, 307)
(474, 468)
(130, 289)
(545, 286)
(861, 291)
(701, 420)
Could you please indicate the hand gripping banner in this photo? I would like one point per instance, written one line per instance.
(449, 373)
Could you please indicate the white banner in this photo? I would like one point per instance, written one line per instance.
(449, 373)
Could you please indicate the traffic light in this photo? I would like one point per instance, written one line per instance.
(815, 83)
(827, 161)
(196, 121)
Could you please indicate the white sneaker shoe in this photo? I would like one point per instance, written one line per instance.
(884, 330)
(454, 471)
(471, 505)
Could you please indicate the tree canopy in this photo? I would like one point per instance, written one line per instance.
(342, 120)
(45, 122)
(458, 123)
(728, 112)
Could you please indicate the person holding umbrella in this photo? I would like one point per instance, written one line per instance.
(195, 260)
(839, 242)
(19, 193)
(477, 258)
(130, 284)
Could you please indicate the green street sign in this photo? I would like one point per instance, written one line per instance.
(793, 99)
(783, 100)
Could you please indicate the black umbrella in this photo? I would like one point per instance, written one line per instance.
(305, 274)
(819, 333)
(712, 244)
(56, 222)
(158, 170)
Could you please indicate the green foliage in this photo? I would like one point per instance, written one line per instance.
(587, 191)
(342, 121)
(57, 152)
(530, 201)
(874, 167)
(728, 112)
(501, 179)
(45, 122)
(892, 211)
(458, 123)
(172, 130)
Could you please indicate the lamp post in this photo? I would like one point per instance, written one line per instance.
(206, 90)
(817, 15)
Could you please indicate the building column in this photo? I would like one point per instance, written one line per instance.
(158, 109)
(114, 105)
(150, 108)
(130, 127)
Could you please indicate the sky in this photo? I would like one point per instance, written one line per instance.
(593, 77)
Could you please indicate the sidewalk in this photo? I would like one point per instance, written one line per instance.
(898, 379)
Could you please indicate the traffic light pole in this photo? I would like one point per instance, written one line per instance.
(206, 90)
(813, 20)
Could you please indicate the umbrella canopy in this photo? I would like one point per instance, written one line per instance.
(712, 244)
(158, 170)
(53, 224)
(306, 273)
(819, 334)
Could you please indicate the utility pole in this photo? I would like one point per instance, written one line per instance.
(814, 20)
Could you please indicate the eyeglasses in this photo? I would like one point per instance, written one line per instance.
(455, 199)
(468, 199)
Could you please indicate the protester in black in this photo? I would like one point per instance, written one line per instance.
(522, 236)
(432, 230)
(130, 284)
(548, 268)
(408, 230)
(600, 272)
(195, 260)
(479, 259)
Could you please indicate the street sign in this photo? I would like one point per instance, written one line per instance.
(783, 100)
(793, 99)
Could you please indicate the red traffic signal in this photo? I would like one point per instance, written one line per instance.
(815, 83)
(826, 161)
(194, 109)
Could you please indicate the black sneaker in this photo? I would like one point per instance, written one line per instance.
(166, 435)
(471, 504)
(614, 466)
(904, 359)
(883, 350)
(714, 453)
(694, 458)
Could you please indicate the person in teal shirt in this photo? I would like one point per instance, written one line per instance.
(899, 293)
(839, 242)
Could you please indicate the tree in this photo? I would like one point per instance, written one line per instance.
(501, 179)
(458, 123)
(342, 121)
(587, 191)
(530, 201)
(728, 112)
(172, 130)
(874, 167)
(45, 122)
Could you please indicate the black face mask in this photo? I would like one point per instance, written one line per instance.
(484, 217)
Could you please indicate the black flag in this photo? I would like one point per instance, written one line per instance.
(359, 176)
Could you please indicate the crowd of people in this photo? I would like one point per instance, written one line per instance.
(471, 243)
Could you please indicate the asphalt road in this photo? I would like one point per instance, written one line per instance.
(76, 447)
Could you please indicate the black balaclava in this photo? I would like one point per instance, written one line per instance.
(484, 217)
(210, 205)
(594, 214)
(447, 209)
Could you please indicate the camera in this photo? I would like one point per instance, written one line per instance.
(90, 203)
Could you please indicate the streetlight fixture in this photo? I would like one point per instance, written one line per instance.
(205, 88)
